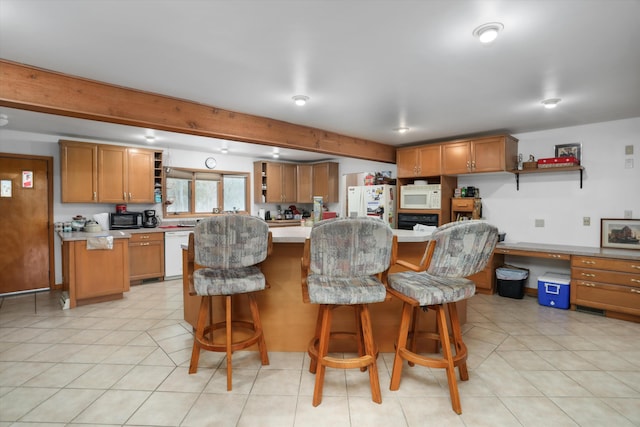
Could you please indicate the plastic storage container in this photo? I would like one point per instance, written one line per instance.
(553, 290)
(511, 281)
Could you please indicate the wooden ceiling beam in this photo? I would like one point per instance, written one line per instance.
(30, 88)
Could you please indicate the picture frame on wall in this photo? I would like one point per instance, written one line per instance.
(620, 233)
(569, 150)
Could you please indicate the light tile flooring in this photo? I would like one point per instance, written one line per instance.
(124, 363)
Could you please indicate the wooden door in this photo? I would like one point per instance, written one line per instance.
(140, 173)
(429, 160)
(289, 183)
(325, 181)
(112, 167)
(274, 183)
(26, 253)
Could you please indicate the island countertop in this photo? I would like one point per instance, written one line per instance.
(299, 234)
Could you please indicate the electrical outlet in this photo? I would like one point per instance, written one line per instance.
(628, 164)
(586, 220)
(628, 214)
(539, 223)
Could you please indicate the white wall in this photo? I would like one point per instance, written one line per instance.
(608, 188)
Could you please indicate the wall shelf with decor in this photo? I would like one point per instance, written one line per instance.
(546, 170)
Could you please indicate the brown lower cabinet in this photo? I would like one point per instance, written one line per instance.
(146, 256)
(95, 275)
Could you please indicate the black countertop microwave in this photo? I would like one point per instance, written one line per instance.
(124, 220)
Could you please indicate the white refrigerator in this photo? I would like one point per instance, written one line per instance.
(373, 200)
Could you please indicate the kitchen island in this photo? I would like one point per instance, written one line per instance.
(92, 270)
(288, 322)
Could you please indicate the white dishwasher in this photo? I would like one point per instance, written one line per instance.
(173, 241)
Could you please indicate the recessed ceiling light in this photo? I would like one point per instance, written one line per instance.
(402, 129)
(224, 150)
(488, 32)
(150, 138)
(4, 120)
(275, 155)
(300, 99)
(551, 103)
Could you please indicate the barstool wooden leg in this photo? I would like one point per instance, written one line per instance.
(457, 341)
(229, 335)
(401, 345)
(199, 334)
(413, 332)
(370, 350)
(323, 348)
(255, 315)
(446, 351)
(357, 310)
(313, 364)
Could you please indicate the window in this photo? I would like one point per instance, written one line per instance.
(198, 193)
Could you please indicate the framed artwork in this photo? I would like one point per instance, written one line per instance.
(569, 150)
(620, 233)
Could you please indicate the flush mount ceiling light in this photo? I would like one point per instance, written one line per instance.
(224, 150)
(488, 32)
(402, 129)
(150, 138)
(4, 120)
(551, 103)
(275, 154)
(300, 99)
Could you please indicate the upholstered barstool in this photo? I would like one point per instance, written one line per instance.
(227, 251)
(343, 263)
(455, 251)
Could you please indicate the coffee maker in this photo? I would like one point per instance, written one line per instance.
(150, 219)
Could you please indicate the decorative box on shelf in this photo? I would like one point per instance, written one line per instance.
(553, 162)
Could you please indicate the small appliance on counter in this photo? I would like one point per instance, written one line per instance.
(124, 220)
(122, 208)
(150, 219)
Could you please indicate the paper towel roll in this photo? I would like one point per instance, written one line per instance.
(103, 220)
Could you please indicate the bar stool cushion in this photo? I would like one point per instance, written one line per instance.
(345, 290)
(427, 289)
(209, 281)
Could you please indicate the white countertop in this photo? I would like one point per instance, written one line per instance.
(299, 234)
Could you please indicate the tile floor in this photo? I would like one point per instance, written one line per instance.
(124, 363)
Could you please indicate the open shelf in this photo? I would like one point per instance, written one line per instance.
(517, 173)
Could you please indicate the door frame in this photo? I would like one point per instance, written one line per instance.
(49, 160)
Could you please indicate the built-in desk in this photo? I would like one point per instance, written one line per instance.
(601, 278)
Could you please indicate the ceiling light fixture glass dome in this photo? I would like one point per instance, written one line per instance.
(488, 32)
(300, 99)
(402, 129)
(551, 103)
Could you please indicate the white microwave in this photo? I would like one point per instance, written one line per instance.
(420, 196)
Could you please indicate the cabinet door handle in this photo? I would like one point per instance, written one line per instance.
(130, 197)
(587, 275)
(588, 262)
(590, 285)
(635, 266)
(635, 280)
(473, 165)
(145, 237)
(468, 165)
(95, 195)
(635, 291)
(144, 244)
(555, 255)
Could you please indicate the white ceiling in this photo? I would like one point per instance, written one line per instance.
(367, 66)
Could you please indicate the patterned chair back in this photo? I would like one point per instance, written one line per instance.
(462, 248)
(231, 241)
(344, 247)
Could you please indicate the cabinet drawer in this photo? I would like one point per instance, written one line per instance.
(623, 299)
(462, 204)
(605, 276)
(146, 237)
(534, 254)
(628, 266)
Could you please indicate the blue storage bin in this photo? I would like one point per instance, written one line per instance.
(553, 290)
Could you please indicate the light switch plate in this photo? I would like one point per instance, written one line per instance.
(628, 150)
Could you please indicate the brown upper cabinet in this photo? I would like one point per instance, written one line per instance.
(274, 182)
(325, 181)
(304, 181)
(490, 154)
(419, 161)
(97, 173)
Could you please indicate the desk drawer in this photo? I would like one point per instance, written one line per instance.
(605, 276)
(534, 254)
(146, 237)
(606, 264)
(623, 299)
